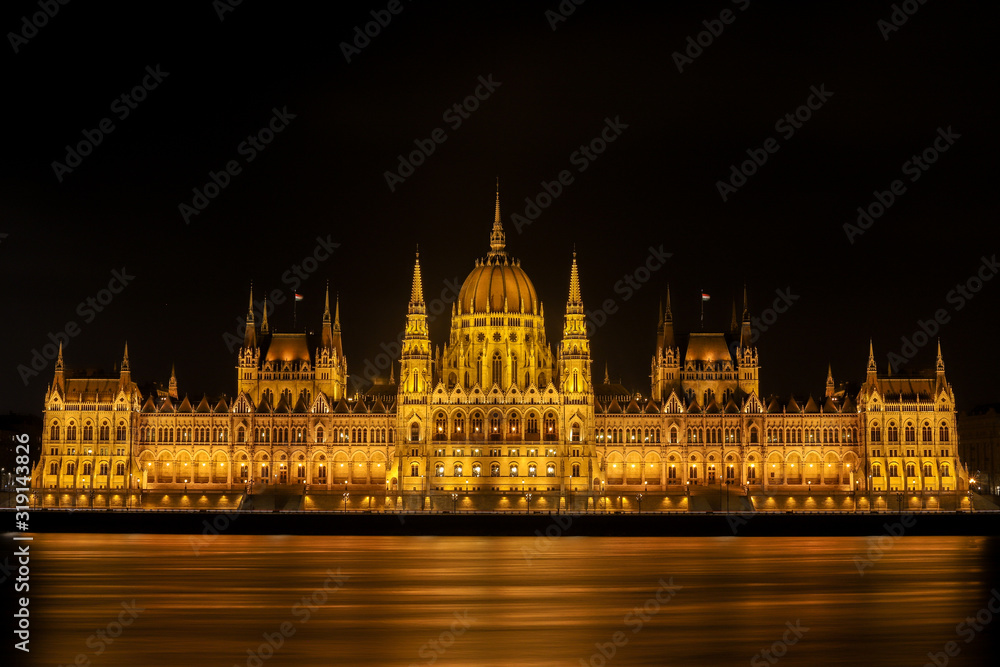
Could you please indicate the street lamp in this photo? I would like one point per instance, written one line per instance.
(346, 496)
(454, 502)
(527, 498)
(638, 499)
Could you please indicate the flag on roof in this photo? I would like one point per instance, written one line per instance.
(298, 297)
(705, 296)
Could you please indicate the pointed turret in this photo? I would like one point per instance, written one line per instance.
(606, 379)
(326, 340)
(830, 388)
(417, 291)
(125, 374)
(574, 349)
(939, 368)
(872, 375)
(60, 374)
(668, 323)
(497, 237)
(250, 337)
(415, 364)
(263, 319)
(746, 332)
(172, 385)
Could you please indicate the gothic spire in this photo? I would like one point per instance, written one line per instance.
(250, 337)
(417, 292)
(497, 238)
(263, 318)
(940, 359)
(606, 380)
(575, 302)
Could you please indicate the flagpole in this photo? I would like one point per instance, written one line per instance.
(295, 306)
(701, 299)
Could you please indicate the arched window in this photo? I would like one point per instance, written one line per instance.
(893, 470)
(673, 435)
(458, 470)
(439, 470)
(104, 468)
(71, 432)
(54, 468)
(514, 422)
(753, 434)
(497, 375)
(909, 433)
(88, 432)
(532, 470)
(876, 470)
(494, 470)
(876, 435)
(439, 424)
(574, 432)
(477, 470)
(414, 470)
(87, 468)
(911, 470)
(240, 435)
(927, 470)
(319, 434)
(944, 470)
(105, 432)
(54, 431)
(550, 470)
(531, 423)
(926, 434)
(120, 468)
(495, 423)
(477, 422)
(414, 432)
(71, 468)
(513, 470)
(943, 432)
(459, 423)
(576, 470)
(892, 433)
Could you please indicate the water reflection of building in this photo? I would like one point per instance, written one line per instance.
(979, 447)
(497, 413)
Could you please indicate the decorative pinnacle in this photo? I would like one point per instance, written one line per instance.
(417, 294)
(497, 237)
(575, 302)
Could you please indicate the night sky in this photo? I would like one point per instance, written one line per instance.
(66, 230)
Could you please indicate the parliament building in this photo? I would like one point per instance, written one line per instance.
(498, 418)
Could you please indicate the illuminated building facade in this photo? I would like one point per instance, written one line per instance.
(496, 416)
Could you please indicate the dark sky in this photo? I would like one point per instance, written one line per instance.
(654, 186)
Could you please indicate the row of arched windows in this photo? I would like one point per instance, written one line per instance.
(104, 432)
(87, 468)
(514, 470)
(911, 470)
(497, 424)
(811, 435)
(628, 435)
(184, 434)
(909, 432)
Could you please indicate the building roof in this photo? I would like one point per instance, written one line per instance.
(709, 347)
(288, 347)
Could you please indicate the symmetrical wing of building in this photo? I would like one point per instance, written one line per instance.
(495, 410)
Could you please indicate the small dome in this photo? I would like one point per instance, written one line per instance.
(494, 283)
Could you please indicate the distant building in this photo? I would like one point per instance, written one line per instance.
(497, 412)
(979, 446)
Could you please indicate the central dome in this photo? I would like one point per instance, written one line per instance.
(497, 284)
(497, 287)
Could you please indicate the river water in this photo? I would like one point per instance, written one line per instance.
(159, 600)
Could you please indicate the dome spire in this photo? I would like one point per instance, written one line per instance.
(417, 293)
(497, 239)
(575, 302)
